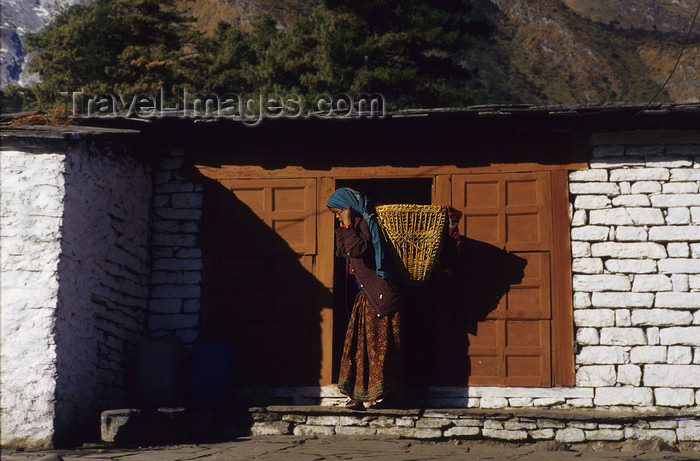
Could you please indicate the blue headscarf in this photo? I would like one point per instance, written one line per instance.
(346, 197)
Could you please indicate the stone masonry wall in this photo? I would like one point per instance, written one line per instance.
(104, 273)
(635, 236)
(176, 279)
(31, 202)
(75, 273)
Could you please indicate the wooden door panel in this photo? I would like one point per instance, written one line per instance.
(260, 290)
(511, 213)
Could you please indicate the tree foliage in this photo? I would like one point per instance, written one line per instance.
(400, 49)
(121, 46)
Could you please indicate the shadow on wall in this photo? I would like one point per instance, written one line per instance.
(260, 295)
(440, 316)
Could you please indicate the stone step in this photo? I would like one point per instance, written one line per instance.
(209, 424)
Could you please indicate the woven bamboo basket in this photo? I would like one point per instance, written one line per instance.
(416, 233)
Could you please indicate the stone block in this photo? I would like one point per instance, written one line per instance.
(679, 355)
(594, 188)
(622, 336)
(594, 318)
(653, 336)
(596, 376)
(587, 336)
(646, 216)
(570, 435)
(313, 420)
(547, 401)
(678, 249)
(635, 250)
(186, 200)
(687, 336)
(493, 402)
(354, 430)
(189, 214)
(550, 423)
(462, 431)
(591, 202)
(610, 216)
(637, 433)
(629, 374)
(689, 430)
(588, 175)
(579, 218)
(583, 425)
(621, 299)
(631, 200)
(433, 422)
(519, 402)
(674, 233)
(601, 355)
(672, 375)
(605, 434)
(504, 435)
(661, 317)
(631, 266)
(678, 300)
(646, 187)
(415, 433)
(582, 300)
(669, 161)
(607, 150)
(580, 402)
(675, 200)
(676, 216)
(696, 355)
(493, 424)
(516, 425)
(404, 422)
(680, 282)
(640, 174)
(635, 396)
(308, 431)
(165, 306)
(663, 424)
(469, 422)
(685, 174)
(541, 434)
(622, 318)
(669, 397)
(272, 428)
(625, 187)
(680, 188)
(694, 282)
(582, 249)
(651, 283)
(590, 233)
(173, 321)
(176, 291)
(695, 216)
(601, 282)
(629, 234)
(587, 266)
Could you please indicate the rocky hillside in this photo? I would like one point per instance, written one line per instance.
(536, 51)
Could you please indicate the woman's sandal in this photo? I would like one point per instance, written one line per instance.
(355, 405)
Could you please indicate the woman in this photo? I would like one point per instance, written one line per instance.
(371, 366)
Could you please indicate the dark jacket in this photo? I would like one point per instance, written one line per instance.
(355, 244)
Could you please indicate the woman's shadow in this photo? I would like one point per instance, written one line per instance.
(468, 283)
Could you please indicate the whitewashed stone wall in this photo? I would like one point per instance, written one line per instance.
(635, 236)
(31, 200)
(176, 278)
(75, 273)
(104, 273)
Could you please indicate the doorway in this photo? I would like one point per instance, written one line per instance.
(382, 191)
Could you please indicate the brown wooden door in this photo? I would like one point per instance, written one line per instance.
(509, 213)
(260, 291)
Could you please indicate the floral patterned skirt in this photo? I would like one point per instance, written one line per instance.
(372, 364)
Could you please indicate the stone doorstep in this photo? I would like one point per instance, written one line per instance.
(220, 423)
